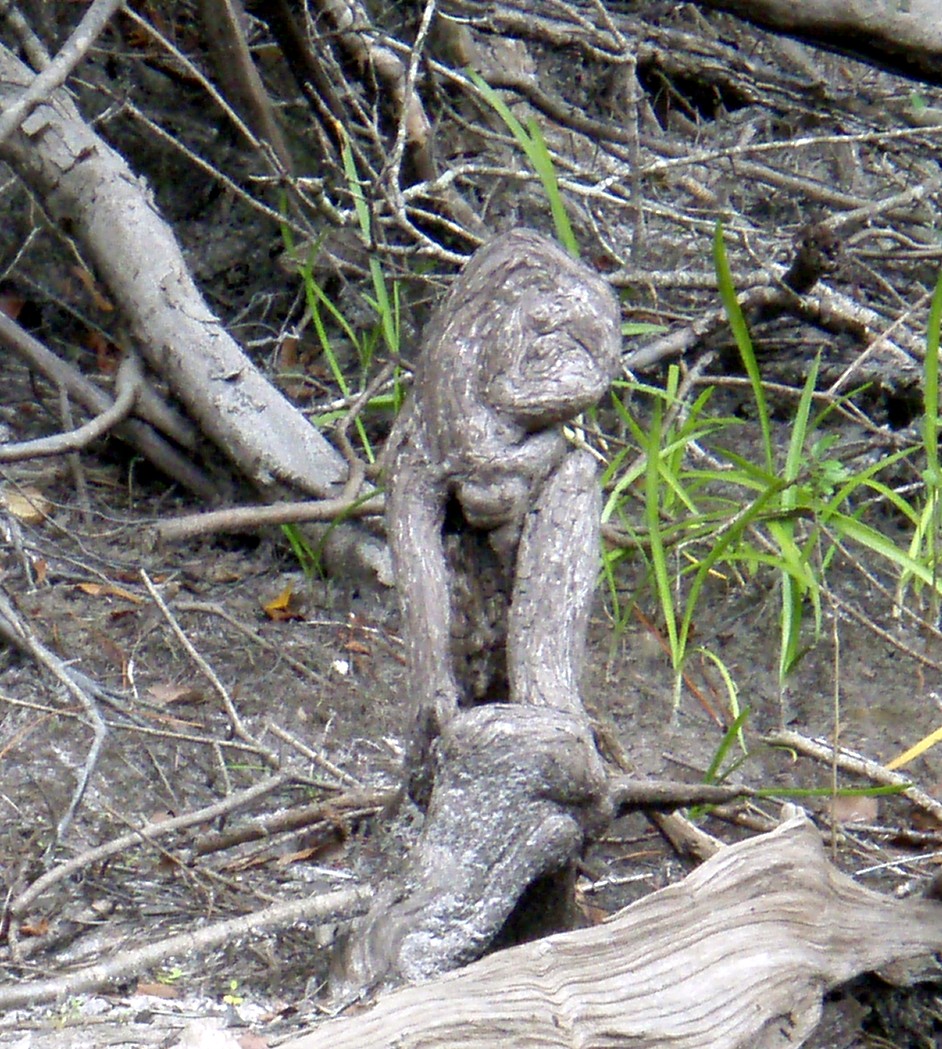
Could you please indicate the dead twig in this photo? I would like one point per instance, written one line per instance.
(660, 795)
(349, 503)
(14, 629)
(331, 812)
(248, 518)
(329, 907)
(138, 434)
(128, 384)
(312, 755)
(209, 608)
(56, 73)
(224, 25)
(828, 309)
(856, 764)
(238, 726)
(148, 833)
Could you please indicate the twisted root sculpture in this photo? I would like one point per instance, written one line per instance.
(493, 523)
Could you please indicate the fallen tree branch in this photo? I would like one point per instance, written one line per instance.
(823, 307)
(147, 833)
(735, 956)
(249, 518)
(55, 73)
(329, 907)
(847, 761)
(88, 187)
(906, 38)
(138, 434)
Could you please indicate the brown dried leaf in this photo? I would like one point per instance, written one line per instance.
(36, 928)
(109, 590)
(158, 990)
(89, 284)
(248, 1040)
(113, 651)
(855, 809)
(107, 355)
(164, 695)
(11, 303)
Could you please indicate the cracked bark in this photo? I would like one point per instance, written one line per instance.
(493, 523)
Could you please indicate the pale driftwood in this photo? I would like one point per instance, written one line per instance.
(736, 956)
(493, 523)
(904, 37)
(89, 189)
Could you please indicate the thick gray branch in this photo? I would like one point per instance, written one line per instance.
(905, 37)
(89, 188)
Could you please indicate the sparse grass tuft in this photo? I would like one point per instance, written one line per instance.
(692, 509)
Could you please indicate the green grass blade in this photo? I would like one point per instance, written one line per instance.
(355, 186)
(740, 330)
(534, 147)
(795, 458)
(933, 479)
(652, 517)
(931, 383)
(543, 165)
(712, 774)
(878, 543)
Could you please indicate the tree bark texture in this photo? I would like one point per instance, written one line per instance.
(493, 524)
(904, 36)
(735, 956)
(88, 188)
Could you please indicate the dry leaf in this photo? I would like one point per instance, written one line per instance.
(27, 504)
(164, 695)
(288, 356)
(283, 607)
(108, 590)
(248, 1040)
(107, 355)
(158, 990)
(323, 852)
(114, 652)
(88, 283)
(11, 303)
(37, 928)
(855, 809)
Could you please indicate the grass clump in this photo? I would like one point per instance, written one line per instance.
(693, 514)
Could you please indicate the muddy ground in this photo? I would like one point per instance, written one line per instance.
(319, 682)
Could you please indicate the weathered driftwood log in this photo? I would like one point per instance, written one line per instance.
(493, 523)
(736, 956)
